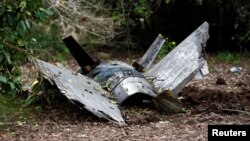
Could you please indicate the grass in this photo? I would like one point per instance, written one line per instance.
(229, 57)
(13, 112)
(232, 58)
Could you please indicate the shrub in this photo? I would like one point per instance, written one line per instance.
(16, 44)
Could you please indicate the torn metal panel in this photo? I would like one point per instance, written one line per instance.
(148, 58)
(176, 69)
(81, 89)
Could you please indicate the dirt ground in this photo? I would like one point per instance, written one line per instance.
(222, 97)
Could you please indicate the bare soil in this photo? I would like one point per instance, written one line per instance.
(207, 102)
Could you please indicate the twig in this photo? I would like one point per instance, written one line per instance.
(79, 17)
(233, 110)
(17, 48)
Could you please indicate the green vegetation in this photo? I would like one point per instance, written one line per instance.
(15, 43)
(50, 43)
(16, 48)
(166, 48)
(238, 59)
(229, 21)
(229, 57)
(13, 113)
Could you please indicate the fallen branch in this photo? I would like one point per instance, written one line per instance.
(234, 110)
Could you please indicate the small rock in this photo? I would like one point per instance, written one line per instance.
(235, 69)
(191, 121)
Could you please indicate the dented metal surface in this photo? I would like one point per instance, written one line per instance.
(176, 69)
(80, 89)
(122, 80)
(133, 86)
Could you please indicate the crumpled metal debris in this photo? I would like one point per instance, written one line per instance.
(160, 84)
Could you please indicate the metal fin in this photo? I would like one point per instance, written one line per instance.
(81, 89)
(83, 59)
(148, 58)
(176, 69)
